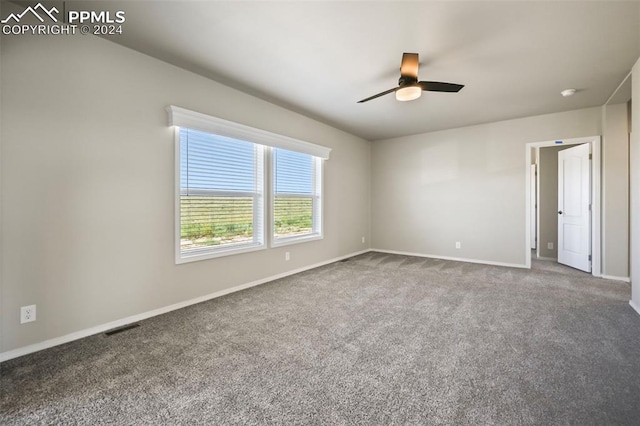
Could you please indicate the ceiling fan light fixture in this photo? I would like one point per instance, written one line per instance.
(408, 93)
(409, 88)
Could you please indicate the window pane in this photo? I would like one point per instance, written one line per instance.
(216, 163)
(296, 204)
(293, 216)
(221, 202)
(214, 221)
(293, 172)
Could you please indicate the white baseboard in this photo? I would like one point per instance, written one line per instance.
(457, 259)
(634, 306)
(555, 259)
(5, 356)
(612, 277)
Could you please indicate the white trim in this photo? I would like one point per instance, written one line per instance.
(195, 120)
(624, 80)
(613, 277)
(634, 306)
(25, 350)
(457, 259)
(317, 206)
(205, 253)
(538, 244)
(595, 142)
(177, 234)
(527, 208)
(596, 207)
(295, 239)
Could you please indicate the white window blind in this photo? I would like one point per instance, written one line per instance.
(296, 196)
(221, 194)
(220, 187)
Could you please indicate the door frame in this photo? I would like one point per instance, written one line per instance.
(533, 207)
(596, 233)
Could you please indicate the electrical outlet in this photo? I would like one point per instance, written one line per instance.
(362, 240)
(550, 246)
(287, 256)
(27, 314)
(458, 245)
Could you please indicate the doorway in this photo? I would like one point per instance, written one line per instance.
(533, 214)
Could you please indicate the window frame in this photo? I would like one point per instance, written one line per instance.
(317, 205)
(259, 209)
(184, 118)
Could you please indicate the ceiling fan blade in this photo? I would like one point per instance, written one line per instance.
(409, 67)
(379, 94)
(438, 86)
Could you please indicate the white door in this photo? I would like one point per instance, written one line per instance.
(574, 200)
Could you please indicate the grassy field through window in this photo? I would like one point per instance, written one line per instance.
(293, 216)
(213, 221)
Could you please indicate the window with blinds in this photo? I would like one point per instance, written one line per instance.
(221, 194)
(296, 196)
(232, 179)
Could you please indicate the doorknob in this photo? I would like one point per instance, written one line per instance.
(560, 212)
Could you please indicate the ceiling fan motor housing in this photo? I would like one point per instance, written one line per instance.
(407, 81)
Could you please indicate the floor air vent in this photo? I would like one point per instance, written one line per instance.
(121, 329)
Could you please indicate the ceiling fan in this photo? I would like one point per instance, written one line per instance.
(409, 88)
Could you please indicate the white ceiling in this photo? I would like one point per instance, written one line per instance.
(320, 58)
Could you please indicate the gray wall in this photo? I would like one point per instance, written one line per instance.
(548, 206)
(88, 186)
(431, 190)
(615, 191)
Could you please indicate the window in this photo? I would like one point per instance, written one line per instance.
(296, 196)
(221, 194)
(225, 189)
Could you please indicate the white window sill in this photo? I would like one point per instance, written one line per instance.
(204, 254)
(296, 239)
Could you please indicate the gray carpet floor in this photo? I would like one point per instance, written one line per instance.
(377, 339)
